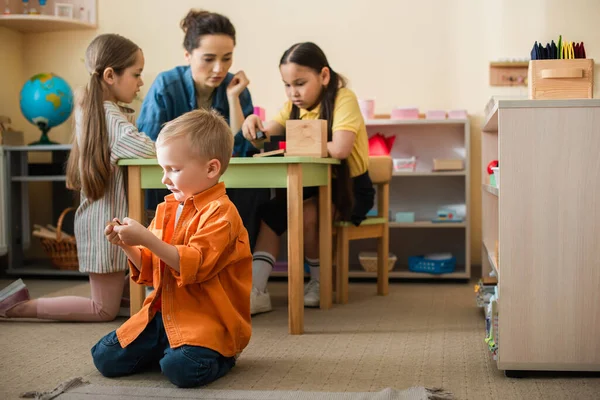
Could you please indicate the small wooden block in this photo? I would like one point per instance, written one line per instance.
(270, 153)
(306, 138)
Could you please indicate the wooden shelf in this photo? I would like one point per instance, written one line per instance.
(414, 275)
(42, 23)
(398, 122)
(520, 64)
(491, 258)
(427, 224)
(491, 189)
(430, 173)
(491, 121)
(397, 274)
(48, 178)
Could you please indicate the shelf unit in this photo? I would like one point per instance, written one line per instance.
(545, 220)
(19, 175)
(48, 21)
(422, 192)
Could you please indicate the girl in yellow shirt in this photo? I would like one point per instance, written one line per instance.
(315, 91)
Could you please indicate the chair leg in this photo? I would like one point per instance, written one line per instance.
(383, 248)
(341, 279)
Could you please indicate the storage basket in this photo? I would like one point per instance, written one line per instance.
(369, 261)
(421, 264)
(62, 250)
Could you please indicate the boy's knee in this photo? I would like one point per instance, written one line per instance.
(186, 372)
(105, 355)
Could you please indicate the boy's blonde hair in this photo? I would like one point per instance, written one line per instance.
(208, 135)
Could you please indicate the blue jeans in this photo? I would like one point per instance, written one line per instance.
(185, 366)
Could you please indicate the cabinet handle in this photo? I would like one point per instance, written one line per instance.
(562, 73)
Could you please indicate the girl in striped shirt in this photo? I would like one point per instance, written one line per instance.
(104, 133)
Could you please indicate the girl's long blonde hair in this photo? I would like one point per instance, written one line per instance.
(89, 168)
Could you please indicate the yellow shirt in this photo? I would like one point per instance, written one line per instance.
(346, 117)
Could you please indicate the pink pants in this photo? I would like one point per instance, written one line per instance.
(107, 290)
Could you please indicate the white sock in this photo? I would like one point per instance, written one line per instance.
(262, 265)
(313, 265)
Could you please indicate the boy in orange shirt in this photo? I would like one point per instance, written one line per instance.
(196, 254)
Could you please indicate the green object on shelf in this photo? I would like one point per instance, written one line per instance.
(493, 180)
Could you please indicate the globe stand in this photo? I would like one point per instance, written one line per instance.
(44, 140)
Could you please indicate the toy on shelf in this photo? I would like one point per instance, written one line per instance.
(8, 137)
(405, 217)
(490, 170)
(457, 114)
(368, 260)
(445, 215)
(367, 108)
(435, 114)
(432, 263)
(448, 165)
(405, 113)
(405, 164)
(380, 145)
(46, 101)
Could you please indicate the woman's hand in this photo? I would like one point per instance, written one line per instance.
(251, 125)
(237, 85)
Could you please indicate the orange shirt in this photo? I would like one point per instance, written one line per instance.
(207, 303)
(167, 236)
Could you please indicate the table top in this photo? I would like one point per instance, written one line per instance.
(245, 160)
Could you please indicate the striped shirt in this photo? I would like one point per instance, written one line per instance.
(95, 253)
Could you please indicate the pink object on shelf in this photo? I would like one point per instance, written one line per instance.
(367, 108)
(405, 113)
(435, 114)
(457, 114)
(380, 145)
(260, 112)
(281, 145)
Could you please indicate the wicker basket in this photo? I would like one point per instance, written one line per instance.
(369, 261)
(62, 250)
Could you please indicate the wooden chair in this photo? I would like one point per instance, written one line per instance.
(380, 171)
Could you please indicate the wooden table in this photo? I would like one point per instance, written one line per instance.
(292, 173)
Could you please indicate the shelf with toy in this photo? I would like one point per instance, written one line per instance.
(492, 258)
(427, 224)
(491, 189)
(429, 173)
(420, 121)
(38, 16)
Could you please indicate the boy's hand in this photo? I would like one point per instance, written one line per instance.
(110, 233)
(132, 233)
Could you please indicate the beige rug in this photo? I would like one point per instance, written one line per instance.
(420, 335)
(78, 389)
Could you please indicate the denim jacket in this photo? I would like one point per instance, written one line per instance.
(173, 94)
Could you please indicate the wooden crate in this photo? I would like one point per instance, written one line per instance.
(561, 79)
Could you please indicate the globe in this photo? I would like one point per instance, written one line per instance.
(46, 101)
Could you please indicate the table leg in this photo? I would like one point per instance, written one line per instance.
(135, 196)
(295, 249)
(325, 246)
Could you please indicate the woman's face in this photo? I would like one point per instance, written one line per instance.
(211, 60)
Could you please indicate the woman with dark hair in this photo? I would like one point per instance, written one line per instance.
(206, 83)
(315, 91)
